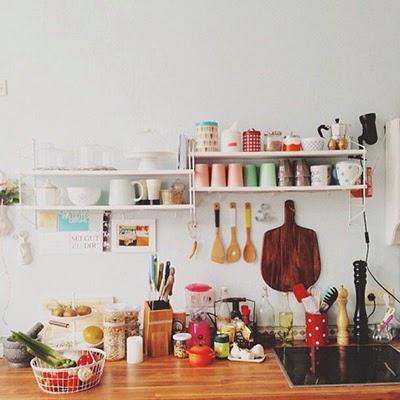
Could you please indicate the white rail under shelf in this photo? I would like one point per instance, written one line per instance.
(331, 188)
(162, 207)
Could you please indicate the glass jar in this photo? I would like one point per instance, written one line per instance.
(114, 331)
(273, 141)
(223, 312)
(265, 320)
(286, 322)
(382, 334)
(221, 345)
(180, 344)
(291, 143)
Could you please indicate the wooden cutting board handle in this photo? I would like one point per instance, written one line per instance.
(289, 213)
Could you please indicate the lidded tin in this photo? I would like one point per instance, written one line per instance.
(206, 136)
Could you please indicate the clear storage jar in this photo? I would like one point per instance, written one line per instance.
(273, 141)
(114, 331)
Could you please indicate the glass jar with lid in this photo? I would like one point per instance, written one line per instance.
(273, 141)
(180, 344)
(114, 331)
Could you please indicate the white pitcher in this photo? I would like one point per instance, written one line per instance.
(122, 192)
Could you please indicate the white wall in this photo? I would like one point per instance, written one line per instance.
(105, 71)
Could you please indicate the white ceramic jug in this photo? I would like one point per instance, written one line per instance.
(122, 192)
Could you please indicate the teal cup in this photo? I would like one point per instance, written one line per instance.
(267, 175)
(250, 175)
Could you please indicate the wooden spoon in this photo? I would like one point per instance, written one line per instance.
(249, 251)
(233, 252)
(217, 252)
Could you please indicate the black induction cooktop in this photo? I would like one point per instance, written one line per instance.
(334, 365)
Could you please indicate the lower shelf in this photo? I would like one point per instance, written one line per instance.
(332, 188)
(162, 207)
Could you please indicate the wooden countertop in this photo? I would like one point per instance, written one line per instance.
(171, 378)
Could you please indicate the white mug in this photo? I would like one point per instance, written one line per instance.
(122, 192)
(153, 190)
(320, 175)
(48, 195)
(348, 172)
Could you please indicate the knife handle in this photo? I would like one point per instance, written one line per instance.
(247, 215)
(216, 212)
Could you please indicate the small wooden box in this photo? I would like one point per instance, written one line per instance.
(157, 331)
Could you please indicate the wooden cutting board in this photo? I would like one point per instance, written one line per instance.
(290, 254)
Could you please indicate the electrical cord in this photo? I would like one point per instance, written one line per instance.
(367, 243)
(373, 308)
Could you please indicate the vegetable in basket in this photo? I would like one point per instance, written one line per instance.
(40, 350)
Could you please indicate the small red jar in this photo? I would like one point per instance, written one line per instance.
(251, 140)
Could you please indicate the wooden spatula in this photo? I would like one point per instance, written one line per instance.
(233, 250)
(217, 251)
(249, 251)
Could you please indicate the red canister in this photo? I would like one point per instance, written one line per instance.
(251, 140)
(316, 329)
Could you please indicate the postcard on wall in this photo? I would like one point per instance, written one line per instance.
(72, 221)
(47, 221)
(133, 235)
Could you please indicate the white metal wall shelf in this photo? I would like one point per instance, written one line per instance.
(330, 188)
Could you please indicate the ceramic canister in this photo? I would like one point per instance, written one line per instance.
(251, 140)
(207, 136)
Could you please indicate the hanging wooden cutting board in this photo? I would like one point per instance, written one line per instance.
(290, 254)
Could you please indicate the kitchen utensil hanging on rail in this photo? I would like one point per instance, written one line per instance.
(233, 251)
(290, 254)
(217, 251)
(249, 251)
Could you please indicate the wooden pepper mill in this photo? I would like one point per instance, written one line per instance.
(342, 319)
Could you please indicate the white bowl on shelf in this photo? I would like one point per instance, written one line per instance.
(84, 196)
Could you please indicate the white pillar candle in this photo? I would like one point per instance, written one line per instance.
(134, 349)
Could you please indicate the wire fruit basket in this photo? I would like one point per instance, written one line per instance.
(70, 380)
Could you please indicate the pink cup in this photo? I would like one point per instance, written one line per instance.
(201, 175)
(235, 175)
(218, 177)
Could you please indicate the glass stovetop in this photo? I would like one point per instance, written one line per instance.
(334, 365)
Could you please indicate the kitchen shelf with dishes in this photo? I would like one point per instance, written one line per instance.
(123, 187)
(243, 177)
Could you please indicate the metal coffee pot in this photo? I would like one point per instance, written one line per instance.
(337, 135)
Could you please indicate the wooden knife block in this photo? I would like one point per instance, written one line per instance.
(157, 331)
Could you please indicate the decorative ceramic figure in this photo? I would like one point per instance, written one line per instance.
(25, 251)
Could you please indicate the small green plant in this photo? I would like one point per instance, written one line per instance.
(8, 192)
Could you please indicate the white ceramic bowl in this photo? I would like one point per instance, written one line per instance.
(312, 144)
(84, 195)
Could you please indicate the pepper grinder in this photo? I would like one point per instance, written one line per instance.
(342, 319)
(360, 319)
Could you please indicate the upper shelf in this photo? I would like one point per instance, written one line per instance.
(278, 154)
(161, 207)
(120, 172)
